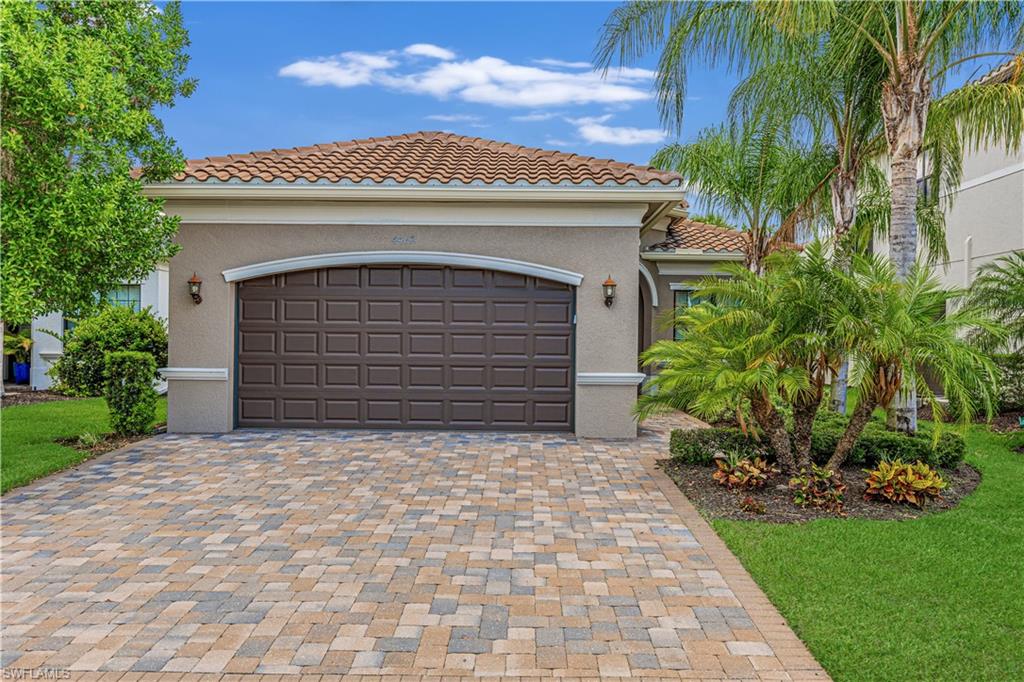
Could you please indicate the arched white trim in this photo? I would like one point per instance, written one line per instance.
(328, 260)
(646, 274)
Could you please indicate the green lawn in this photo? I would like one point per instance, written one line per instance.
(937, 598)
(27, 433)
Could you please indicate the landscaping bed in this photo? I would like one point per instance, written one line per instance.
(98, 445)
(23, 396)
(718, 502)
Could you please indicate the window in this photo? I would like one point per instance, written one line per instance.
(683, 298)
(126, 295)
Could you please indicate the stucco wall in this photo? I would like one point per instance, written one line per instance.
(203, 335)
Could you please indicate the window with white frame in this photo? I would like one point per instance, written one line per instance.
(683, 296)
(126, 295)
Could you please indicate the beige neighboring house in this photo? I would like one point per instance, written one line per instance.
(986, 218)
(422, 281)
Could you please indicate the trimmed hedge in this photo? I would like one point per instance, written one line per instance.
(699, 446)
(129, 391)
(80, 370)
(876, 443)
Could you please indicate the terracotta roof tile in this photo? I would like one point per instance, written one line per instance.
(422, 158)
(684, 233)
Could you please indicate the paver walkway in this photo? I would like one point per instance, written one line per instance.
(363, 553)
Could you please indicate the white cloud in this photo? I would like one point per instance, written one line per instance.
(345, 70)
(535, 116)
(484, 80)
(592, 129)
(562, 64)
(555, 142)
(428, 50)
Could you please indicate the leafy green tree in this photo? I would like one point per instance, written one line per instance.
(750, 170)
(81, 83)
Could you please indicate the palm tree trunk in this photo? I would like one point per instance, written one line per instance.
(905, 100)
(843, 189)
(803, 426)
(774, 427)
(858, 420)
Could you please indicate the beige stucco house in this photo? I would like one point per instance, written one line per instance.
(423, 281)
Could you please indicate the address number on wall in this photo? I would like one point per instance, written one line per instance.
(403, 239)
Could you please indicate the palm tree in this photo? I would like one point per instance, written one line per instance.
(765, 339)
(751, 171)
(918, 44)
(896, 330)
(999, 290)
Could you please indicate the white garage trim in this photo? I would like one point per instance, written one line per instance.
(609, 378)
(194, 373)
(646, 274)
(328, 260)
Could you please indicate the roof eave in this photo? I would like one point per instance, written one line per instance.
(603, 193)
(692, 255)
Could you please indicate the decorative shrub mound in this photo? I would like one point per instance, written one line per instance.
(819, 487)
(80, 370)
(735, 471)
(904, 483)
(701, 446)
(129, 392)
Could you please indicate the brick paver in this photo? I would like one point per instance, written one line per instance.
(418, 555)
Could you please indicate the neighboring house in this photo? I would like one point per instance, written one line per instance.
(424, 281)
(986, 218)
(151, 293)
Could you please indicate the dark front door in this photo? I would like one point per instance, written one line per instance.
(405, 346)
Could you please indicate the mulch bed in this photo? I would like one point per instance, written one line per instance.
(109, 441)
(20, 396)
(717, 502)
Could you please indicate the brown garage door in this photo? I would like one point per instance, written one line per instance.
(405, 347)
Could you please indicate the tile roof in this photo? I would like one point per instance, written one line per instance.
(422, 158)
(1003, 73)
(684, 233)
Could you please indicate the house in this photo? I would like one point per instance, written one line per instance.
(986, 217)
(149, 293)
(423, 281)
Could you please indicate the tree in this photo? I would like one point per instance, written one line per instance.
(918, 44)
(80, 86)
(766, 339)
(752, 171)
(897, 329)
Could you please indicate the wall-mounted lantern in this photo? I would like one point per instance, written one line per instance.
(195, 284)
(609, 291)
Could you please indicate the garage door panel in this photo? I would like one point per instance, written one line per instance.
(405, 346)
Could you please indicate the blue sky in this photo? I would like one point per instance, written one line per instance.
(287, 74)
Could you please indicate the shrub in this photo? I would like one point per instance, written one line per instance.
(876, 443)
(129, 391)
(818, 487)
(904, 483)
(1011, 381)
(80, 370)
(736, 471)
(701, 446)
(749, 504)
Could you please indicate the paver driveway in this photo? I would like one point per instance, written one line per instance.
(380, 553)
